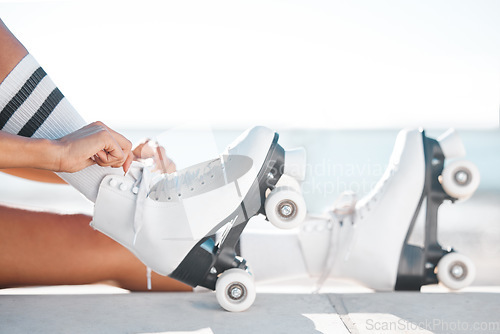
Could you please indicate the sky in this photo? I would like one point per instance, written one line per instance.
(358, 64)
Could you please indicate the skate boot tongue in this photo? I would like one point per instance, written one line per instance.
(295, 163)
(200, 178)
(451, 144)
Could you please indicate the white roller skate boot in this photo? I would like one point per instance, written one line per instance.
(186, 224)
(369, 238)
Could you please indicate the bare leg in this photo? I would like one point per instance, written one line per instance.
(12, 51)
(41, 248)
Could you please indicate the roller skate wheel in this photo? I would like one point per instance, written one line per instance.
(285, 207)
(456, 271)
(460, 179)
(235, 290)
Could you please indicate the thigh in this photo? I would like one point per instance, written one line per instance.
(43, 248)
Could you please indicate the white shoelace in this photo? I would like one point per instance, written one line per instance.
(142, 186)
(344, 208)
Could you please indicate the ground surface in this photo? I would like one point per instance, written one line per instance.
(94, 310)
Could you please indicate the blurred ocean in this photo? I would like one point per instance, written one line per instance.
(338, 160)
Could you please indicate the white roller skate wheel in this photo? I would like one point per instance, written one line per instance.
(456, 271)
(460, 179)
(285, 207)
(235, 290)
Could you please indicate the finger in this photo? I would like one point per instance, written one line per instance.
(161, 156)
(143, 150)
(115, 155)
(123, 142)
(171, 167)
(101, 158)
(168, 166)
(128, 162)
(103, 163)
(163, 162)
(110, 157)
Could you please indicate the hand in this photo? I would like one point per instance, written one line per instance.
(94, 144)
(148, 149)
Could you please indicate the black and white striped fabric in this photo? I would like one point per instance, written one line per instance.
(32, 106)
(20, 97)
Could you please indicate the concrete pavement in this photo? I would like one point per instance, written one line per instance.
(397, 312)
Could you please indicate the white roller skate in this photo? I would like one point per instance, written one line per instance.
(369, 238)
(186, 225)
